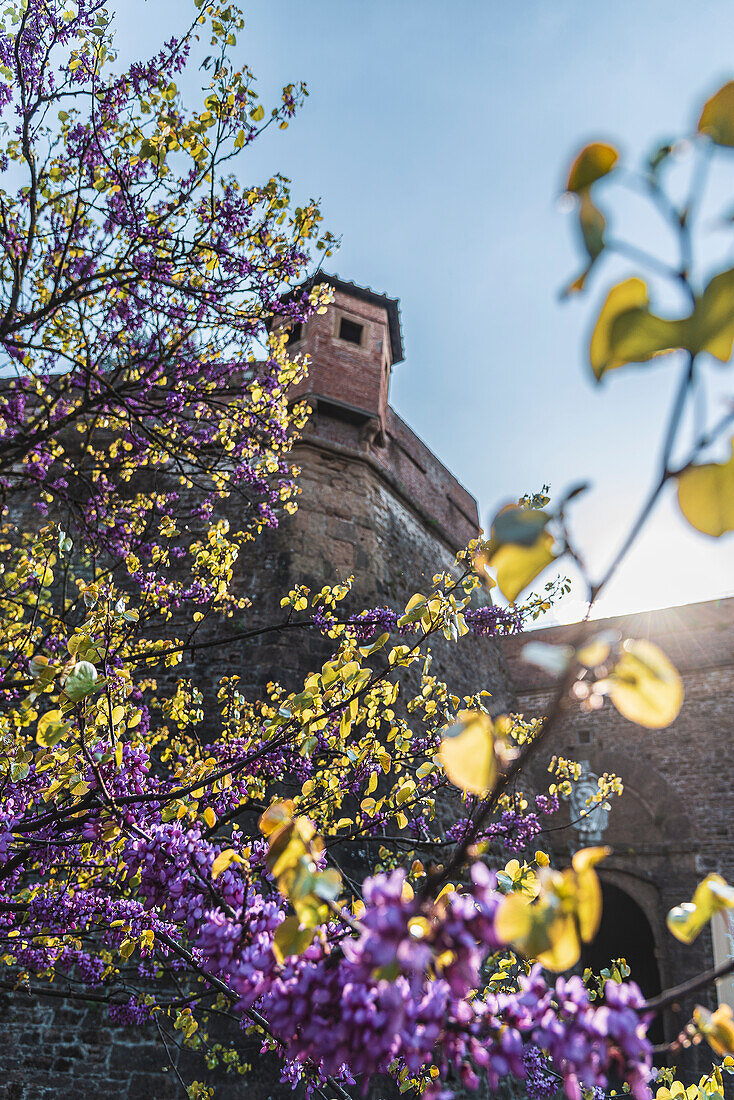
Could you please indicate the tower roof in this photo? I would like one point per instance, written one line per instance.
(366, 294)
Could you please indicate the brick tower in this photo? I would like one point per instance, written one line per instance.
(375, 502)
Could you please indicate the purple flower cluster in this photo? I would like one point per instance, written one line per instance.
(489, 622)
(515, 830)
(540, 1081)
(131, 1013)
(483, 622)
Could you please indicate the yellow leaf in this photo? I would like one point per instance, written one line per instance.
(594, 653)
(276, 816)
(712, 895)
(126, 948)
(640, 337)
(467, 752)
(594, 161)
(717, 117)
(644, 686)
(51, 727)
(628, 332)
(565, 946)
(540, 931)
(517, 566)
(222, 862)
(716, 1027)
(588, 891)
(210, 817)
(449, 888)
(706, 496)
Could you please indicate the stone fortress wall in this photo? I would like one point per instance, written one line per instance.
(376, 503)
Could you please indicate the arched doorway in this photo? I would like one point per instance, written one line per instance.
(625, 932)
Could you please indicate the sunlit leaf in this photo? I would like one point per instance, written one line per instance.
(706, 496)
(564, 949)
(717, 116)
(328, 884)
(594, 652)
(223, 861)
(716, 1027)
(51, 728)
(539, 931)
(566, 911)
(291, 939)
(594, 161)
(518, 566)
(414, 609)
(288, 846)
(644, 686)
(712, 895)
(81, 681)
(588, 890)
(626, 331)
(275, 816)
(467, 752)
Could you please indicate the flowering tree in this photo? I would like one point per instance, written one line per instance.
(171, 875)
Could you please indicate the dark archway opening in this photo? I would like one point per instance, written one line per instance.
(625, 933)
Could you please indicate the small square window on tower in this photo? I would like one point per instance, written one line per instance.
(350, 331)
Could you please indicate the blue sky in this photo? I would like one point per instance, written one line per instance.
(437, 134)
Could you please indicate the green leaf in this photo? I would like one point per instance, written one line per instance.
(467, 752)
(628, 332)
(594, 161)
(592, 225)
(706, 496)
(522, 526)
(717, 116)
(644, 686)
(711, 326)
(81, 681)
